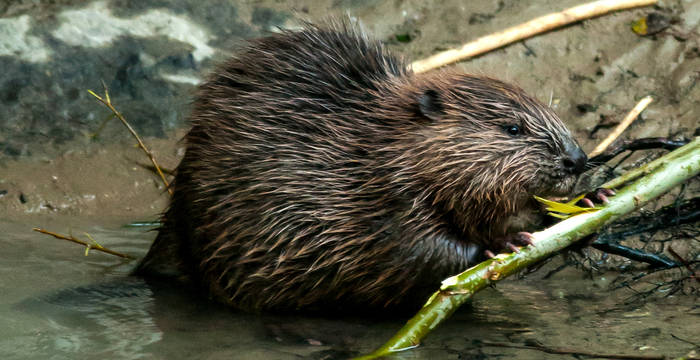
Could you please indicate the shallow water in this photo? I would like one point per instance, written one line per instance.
(58, 304)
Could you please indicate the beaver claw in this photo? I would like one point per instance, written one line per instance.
(510, 243)
(597, 196)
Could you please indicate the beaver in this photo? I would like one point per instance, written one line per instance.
(322, 174)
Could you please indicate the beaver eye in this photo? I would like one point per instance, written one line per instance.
(512, 130)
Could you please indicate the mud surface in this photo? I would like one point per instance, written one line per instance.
(53, 173)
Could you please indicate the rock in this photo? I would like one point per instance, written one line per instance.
(149, 54)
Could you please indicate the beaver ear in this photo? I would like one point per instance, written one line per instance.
(430, 105)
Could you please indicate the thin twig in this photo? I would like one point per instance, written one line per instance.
(533, 27)
(634, 254)
(634, 145)
(641, 105)
(107, 102)
(666, 218)
(646, 168)
(685, 341)
(95, 246)
(684, 262)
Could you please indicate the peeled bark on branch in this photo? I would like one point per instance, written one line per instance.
(526, 30)
(650, 181)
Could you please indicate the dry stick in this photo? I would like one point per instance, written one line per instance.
(107, 102)
(641, 105)
(674, 168)
(95, 246)
(525, 30)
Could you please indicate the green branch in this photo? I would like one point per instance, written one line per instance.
(652, 180)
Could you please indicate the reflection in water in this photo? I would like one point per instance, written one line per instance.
(112, 318)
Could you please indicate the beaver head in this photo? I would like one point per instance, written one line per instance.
(482, 147)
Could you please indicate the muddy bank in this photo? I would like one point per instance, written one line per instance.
(96, 180)
(590, 72)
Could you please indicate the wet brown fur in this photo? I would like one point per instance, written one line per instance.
(321, 174)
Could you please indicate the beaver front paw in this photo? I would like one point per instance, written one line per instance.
(509, 243)
(597, 196)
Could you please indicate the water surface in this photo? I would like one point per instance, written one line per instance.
(59, 304)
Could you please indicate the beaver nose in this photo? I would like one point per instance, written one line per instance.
(574, 159)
